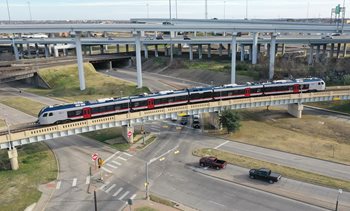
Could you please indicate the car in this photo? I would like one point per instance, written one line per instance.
(212, 162)
(167, 23)
(195, 122)
(335, 34)
(186, 37)
(327, 37)
(159, 37)
(264, 174)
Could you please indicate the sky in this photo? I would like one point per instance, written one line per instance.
(126, 9)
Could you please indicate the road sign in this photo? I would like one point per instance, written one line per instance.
(94, 156)
(129, 134)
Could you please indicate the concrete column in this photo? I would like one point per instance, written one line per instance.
(338, 50)
(13, 156)
(250, 52)
(102, 49)
(267, 49)
(324, 48)
(28, 50)
(105, 47)
(138, 59)
(36, 50)
(55, 52)
(179, 49)
(110, 65)
(195, 33)
(228, 50)
(220, 49)
(127, 48)
(145, 51)
(21, 49)
(84, 50)
(90, 50)
(209, 51)
(128, 133)
(117, 48)
(233, 58)
(254, 52)
(258, 53)
(242, 52)
(80, 62)
(295, 109)
(156, 50)
(332, 50)
(142, 33)
(344, 50)
(65, 52)
(283, 49)
(200, 52)
(165, 51)
(311, 55)
(191, 52)
(272, 56)
(318, 49)
(15, 51)
(46, 51)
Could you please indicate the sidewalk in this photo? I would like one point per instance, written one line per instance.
(304, 192)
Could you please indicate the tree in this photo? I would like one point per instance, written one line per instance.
(231, 120)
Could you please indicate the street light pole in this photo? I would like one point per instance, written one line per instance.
(8, 11)
(224, 9)
(30, 12)
(206, 9)
(176, 8)
(340, 191)
(246, 9)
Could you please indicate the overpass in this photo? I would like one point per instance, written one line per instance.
(9, 140)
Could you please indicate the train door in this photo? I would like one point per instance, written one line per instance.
(86, 113)
(296, 88)
(247, 92)
(150, 103)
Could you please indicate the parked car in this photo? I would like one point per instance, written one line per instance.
(335, 34)
(186, 37)
(327, 37)
(264, 174)
(195, 122)
(212, 162)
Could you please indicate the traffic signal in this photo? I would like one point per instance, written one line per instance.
(100, 162)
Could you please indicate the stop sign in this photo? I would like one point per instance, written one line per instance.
(129, 134)
(94, 156)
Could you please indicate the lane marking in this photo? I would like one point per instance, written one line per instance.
(110, 165)
(221, 144)
(107, 170)
(110, 157)
(103, 186)
(74, 182)
(126, 193)
(110, 188)
(87, 180)
(127, 154)
(118, 191)
(122, 158)
(119, 164)
(217, 203)
(133, 196)
(58, 185)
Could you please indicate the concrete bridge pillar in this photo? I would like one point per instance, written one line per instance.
(228, 50)
(28, 49)
(272, 56)
(254, 51)
(200, 52)
(311, 55)
(283, 49)
(15, 52)
(127, 48)
(110, 65)
(220, 49)
(195, 33)
(36, 50)
(295, 109)
(102, 49)
(117, 48)
(318, 49)
(80, 62)
(209, 51)
(242, 52)
(344, 50)
(251, 53)
(165, 51)
(128, 133)
(233, 58)
(258, 53)
(138, 59)
(156, 50)
(13, 156)
(179, 49)
(338, 50)
(145, 49)
(46, 51)
(55, 52)
(21, 49)
(191, 52)
(332, 50)
(324, 48)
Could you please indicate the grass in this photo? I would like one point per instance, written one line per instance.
(285, 171)
(111, 136)
(22, 104)
(216, 66)
(64, 81)
(147, 142)
(342, 106)
(19, 189)
(2, 123)
(145, 208)
(313, 136)
(161, 200)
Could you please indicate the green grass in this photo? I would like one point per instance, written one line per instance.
(19, 189)
(162, 201)
(64, 81)
(22, 104)
(111, 136)
(285, 171)
(216, 66)
(145, 208)
(342, 105)
(147, 142)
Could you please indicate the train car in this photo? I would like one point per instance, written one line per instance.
(200, 94)
(230, 91)
(158, 100)
(82, 110)
(294, 86)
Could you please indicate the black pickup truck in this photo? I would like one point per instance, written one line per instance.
(264, 174)
(212, 162)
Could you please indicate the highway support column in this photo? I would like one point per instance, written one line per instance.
(156, 50)
(272, 56)
(127, 48)
(138, 59)
(117, 49)
(145, 49)
(209, 51)
(233, 57)
(255, 48)
(220, 49)
(318, 49)
(200, 52)
(80, 61)
(283, 49)
(15, 51)
(46, 51)
(128, 133)
(179, 49)
(324, 49)
(191, 52)
(332, 50)
(242, 52)
(311, 55)
(344, 50)
(338, 50)
(13, 156)
(295, 109)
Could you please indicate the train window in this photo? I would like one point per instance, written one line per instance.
(45, 115)
(95, 110)
(50, 114)
(136, 104)
(322, 83)
(110, 108)
(74, 113)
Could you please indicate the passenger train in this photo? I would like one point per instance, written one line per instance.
(89, 109)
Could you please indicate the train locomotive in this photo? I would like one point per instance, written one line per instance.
(64, 113)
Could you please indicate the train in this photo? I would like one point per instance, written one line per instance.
(65, 113)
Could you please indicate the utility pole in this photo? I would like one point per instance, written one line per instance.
(30, 11)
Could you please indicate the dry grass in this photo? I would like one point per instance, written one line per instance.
(341, 105)
(285, 171)
(22, 104)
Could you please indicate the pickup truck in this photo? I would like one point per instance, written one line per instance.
(212, 162)
(264, 174)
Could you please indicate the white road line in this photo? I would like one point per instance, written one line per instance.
(127, 154)
(221, 144)
(122, 158)
(110, 188)
(118, 191)
(74, 182)
(110, 157)
(103, 186)
(110, 165)
(126, 193)
(217, 203)
(133, 196)
(109, 171)
(119, 164)
(88, 180)
(58, 185)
